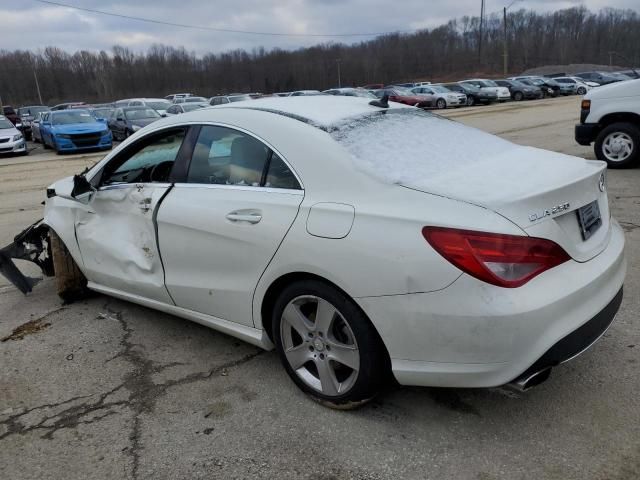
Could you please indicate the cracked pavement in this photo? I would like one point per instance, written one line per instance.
(105, 389)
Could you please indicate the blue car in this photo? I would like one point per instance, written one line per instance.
(74, 130)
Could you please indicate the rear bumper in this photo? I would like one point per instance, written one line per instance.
(586, 133)
(472, 334)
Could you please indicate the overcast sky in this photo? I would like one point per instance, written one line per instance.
(27, 24)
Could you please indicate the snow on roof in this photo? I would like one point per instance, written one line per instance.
(322, 111)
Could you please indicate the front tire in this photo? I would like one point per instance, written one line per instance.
(582, 91)
(71, 284)
(518, 96)
(471, 101)
(619, 145)
(328, 346)
(441, 104)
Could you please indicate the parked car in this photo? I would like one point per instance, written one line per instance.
(36, 136)
(68, 105)
(350, 92)
(10, 114)
(406, 96)
(610, 119)
(631, 73)
(190, 99)
(547, 90)
(502, 93)
(11, 139)
(580, 86)
(125, 121)
(27, 115)
(441, 96)
(474, 94)
(601, 78)
(305, 93)
(160, 105)
(185, 107)
(520, 91)
(171, 97)
(74, 130)
(234, 97)
(360, 249)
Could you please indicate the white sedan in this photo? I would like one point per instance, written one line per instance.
(324, 226)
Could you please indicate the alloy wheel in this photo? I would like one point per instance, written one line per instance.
(617, 146)
(319, 345)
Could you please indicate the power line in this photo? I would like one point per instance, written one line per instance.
(220, 30)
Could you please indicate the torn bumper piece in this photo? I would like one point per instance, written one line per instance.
(32, 244)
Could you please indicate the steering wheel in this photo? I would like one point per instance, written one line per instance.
(161, 171)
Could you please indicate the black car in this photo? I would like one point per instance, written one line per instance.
(474, 94)
(127, 120)
(520, 91)
(603, 78)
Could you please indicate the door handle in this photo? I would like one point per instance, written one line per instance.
(244, 216)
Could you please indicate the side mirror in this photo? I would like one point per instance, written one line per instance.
(81, 186)
(120, 119)
(103, 120)
(163, 114)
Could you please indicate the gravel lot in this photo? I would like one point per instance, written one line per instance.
(105, 389)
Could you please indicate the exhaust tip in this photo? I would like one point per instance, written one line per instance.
(530, 380)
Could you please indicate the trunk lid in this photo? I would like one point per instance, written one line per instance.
(538, 190)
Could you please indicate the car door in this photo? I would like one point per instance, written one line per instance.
(116, 231)
(45, 129)
(219, 228)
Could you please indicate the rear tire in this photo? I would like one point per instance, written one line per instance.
(313, 345)
(71, 284)
(619, 145)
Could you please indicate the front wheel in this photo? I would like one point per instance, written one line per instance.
(582, 91)
(619, 145)
(518, 96)
(471, 101)
(441, 104)
(328, 346)
(71, 284)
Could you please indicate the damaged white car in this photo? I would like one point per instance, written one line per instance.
(326, 227)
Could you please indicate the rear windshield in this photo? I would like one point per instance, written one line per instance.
(396, 146)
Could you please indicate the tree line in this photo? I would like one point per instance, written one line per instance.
(450, 51)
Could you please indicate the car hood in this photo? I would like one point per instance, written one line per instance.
(8, 132)
(628, 88)
(72, 128)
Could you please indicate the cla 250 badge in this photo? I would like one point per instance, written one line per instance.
(548, 212)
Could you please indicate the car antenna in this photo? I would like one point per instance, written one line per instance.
(382, 103)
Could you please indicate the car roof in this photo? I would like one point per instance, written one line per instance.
(322, 111)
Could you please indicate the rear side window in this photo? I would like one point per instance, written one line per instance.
(224, 156)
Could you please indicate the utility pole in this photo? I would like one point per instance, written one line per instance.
(481, 31)
(339, 76)
(505, 53)
(37, 85)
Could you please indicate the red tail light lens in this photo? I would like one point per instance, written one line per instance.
(507, 261)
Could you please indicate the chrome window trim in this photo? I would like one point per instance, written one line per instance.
(120, 186)
(247, 188)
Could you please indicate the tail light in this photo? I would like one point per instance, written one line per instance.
(507, 261)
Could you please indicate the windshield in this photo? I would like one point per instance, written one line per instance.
(488, 83)
(535, 81)
(32, 110)
(439, 89)
(194, 106)
(67, 117)
(4, 123)
(102, 112)
(195, 100)
(239, 98)
(160, 105)
(141, 113)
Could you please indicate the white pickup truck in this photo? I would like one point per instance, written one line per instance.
(610, 117)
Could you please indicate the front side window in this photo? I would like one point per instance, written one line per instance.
(223, 156)
(151, 160)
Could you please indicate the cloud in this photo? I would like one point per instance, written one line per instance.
(32, 25)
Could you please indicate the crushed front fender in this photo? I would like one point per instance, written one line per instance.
(32, 244)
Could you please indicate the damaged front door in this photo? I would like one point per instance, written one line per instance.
(117, 233)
